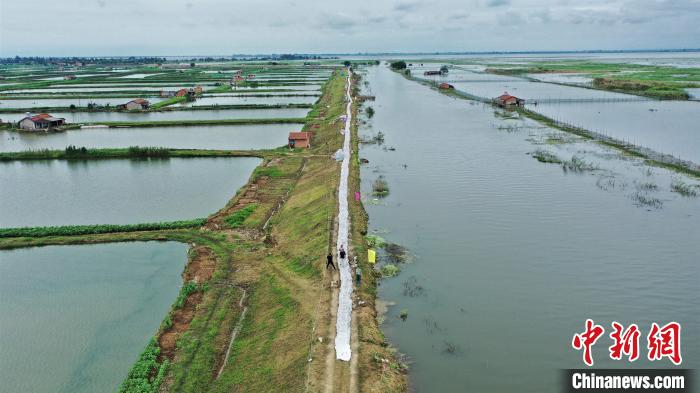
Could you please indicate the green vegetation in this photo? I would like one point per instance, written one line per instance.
(170, 101)
(236, 219)
(187, 289)
(380, 187)
(265, 171)
(547, 157)
(685, 189)
(83, 153)
(76, 230)
(141, 378)
(577, 164)
(399, 65)
(660, 82)
(374, 241)
(370, 112)
(390, 270)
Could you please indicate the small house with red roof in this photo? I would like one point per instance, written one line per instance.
(137, 104)
(42, 121)
(508, 100)
(446, 86)
(299, 139)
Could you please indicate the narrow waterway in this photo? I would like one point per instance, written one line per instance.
(509, 256)
(75, 318)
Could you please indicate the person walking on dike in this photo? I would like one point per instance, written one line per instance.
(329, 262)
(342, 252)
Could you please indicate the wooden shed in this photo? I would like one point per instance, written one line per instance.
(299, 139)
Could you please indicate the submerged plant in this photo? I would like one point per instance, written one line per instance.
(389, 270)
(374, 241)
(380, 187)
(403, 315)
(411, 287)
(578, 164)
(546, 156)
(644, 200)
(685, 189)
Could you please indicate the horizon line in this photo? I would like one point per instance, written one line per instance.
(493, 52)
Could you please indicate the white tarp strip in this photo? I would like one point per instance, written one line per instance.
(342, 332)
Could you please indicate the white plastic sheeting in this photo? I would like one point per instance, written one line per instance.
(342, 326)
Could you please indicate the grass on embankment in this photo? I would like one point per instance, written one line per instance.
(169, 101)
(82, 153)
(77, 230)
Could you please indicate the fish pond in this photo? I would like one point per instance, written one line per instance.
(217, 114)
(75, 318)
(69, 192)
(226, 137)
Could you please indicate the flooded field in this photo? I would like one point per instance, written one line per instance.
(237, 137)
(508, 256)
(96, 117)
(117, 191)
(665, 126)
(79, 319)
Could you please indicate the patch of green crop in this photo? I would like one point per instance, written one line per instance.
(146, 375)
(237, 218)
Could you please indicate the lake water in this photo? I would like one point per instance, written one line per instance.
(666, 126)
(60, 192)
(96, 117)
(227, 137)
(513, 255)
(75, 318)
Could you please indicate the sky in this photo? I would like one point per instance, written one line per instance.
(226, 27)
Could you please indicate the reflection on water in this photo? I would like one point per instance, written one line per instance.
(74, 318)
(512, 255)
(59, 192)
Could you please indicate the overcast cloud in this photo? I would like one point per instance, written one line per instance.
(220, 27)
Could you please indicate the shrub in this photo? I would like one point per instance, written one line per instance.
(399, 65)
